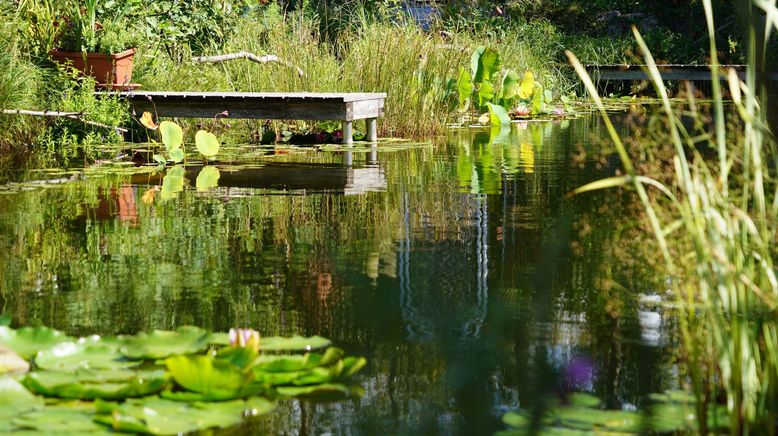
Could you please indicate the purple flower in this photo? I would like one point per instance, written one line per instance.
(558, 111)
(579, 372)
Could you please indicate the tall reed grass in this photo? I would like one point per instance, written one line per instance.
(716, 224)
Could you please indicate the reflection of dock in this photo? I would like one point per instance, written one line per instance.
(287, 176)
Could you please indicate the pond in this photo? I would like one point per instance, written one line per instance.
(458, 268)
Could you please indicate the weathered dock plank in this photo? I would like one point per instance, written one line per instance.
(345, 107)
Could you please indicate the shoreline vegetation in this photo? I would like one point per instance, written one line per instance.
(703, 175)
(358, 45)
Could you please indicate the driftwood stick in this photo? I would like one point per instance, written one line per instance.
(250, 56)
(78, 116)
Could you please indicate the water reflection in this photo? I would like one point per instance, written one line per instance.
(460, 271)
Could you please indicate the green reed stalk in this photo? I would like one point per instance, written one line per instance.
(728, 293)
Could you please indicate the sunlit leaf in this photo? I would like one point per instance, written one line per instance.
(16, 399)
(69, 356)
(172, 135)
(177, 155)
(161, 343)
(147, 120)
(11, 363)
(207, 143)
(485, 93)
(488, 64)
(66, 418)
(464, 87)
(498, 116)
(90, 385)
(27, 341)
(216, 379)
(510, 85)
(527, 86)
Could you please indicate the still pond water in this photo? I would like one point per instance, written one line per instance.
(458, 268)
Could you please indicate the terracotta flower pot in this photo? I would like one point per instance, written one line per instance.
(107, 69)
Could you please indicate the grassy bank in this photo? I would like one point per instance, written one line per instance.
(369, 52)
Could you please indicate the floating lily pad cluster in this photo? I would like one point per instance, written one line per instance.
(582, 414)
(162, 382)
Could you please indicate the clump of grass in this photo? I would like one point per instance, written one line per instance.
(19, 80)
(716, 225)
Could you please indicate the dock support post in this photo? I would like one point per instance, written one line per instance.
(348, 132)
(372, 129)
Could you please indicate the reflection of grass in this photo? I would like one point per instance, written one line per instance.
(715, 225)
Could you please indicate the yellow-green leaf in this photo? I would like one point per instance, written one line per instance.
(172, 135)
(207, 143)
(527, 86)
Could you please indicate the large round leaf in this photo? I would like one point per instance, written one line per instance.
(74, 418)
(217, 378)
(16, 399)
(172, 135)
(159, 416)
(12, 363)
(207, 143)
(498, 116)
(27, 341)
(177, 155)
(89, 385)
(160, 344)
(85, 354)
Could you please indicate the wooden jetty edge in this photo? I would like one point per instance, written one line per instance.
(344, 107)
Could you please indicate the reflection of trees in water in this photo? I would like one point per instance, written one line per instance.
(443, 284)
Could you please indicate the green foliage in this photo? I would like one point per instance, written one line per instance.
(90, 385)
(28, 341)
(86, 353)
(669, 413)
(207, 143)
(159, 344)
(201, 391)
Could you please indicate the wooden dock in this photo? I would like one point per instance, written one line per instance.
(344, 107)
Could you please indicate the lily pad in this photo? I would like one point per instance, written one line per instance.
(322, 389)
(207, 143)
(11, 363)
(27, 341)
(85, 354)
(279, 343)
(90, 386)
(216, 379)
(161, 417)
(15, 400)
(172, 135)
(67, 418)
(160, 343)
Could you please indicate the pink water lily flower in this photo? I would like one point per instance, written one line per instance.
(558, 111)
(245, 338)
(521, 111)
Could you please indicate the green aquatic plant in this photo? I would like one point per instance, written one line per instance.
(200, 384)
(582, 413)
(519, 96)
